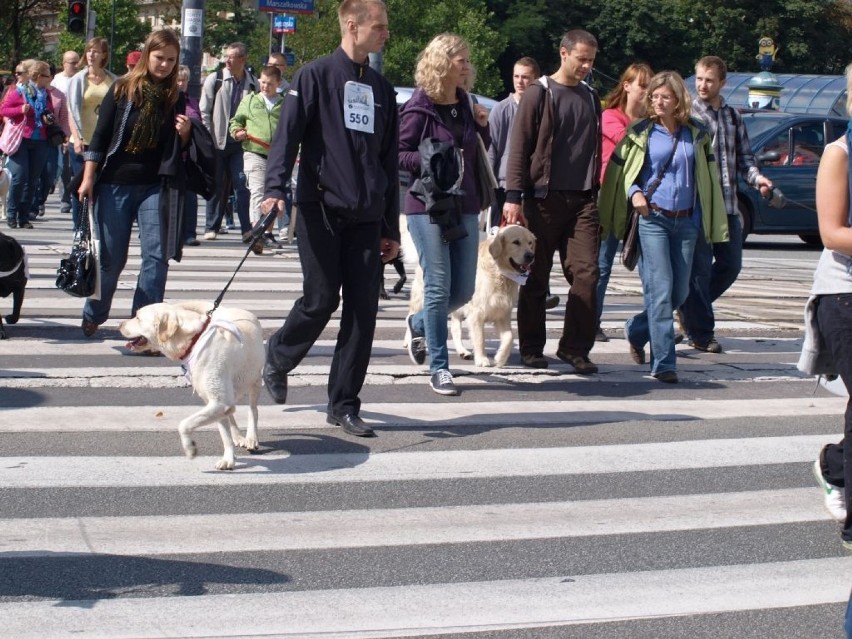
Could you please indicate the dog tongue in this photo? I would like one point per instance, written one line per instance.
(138, 341)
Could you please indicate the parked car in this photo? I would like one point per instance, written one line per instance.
(787, 147)
(403, 94)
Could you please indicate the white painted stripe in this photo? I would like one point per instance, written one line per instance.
(782, 348)
(32, 472)
(406, 611)
(163, 535)
(448, 415)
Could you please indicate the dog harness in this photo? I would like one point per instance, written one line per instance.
(187, 361)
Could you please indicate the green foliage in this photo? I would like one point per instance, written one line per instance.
(127, 35)
(227, 21)
(412, 25)
(21, 35)
(812, 35)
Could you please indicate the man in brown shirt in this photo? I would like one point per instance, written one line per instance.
(552, 180)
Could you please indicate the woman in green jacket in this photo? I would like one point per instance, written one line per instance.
(665, 169)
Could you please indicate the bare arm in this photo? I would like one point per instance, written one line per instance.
(832, 200)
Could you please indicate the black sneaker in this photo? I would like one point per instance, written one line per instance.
(534, 360)
(582, 365)
(442, 382)
(600, 336)
(416, 344)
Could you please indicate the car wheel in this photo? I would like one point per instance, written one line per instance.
(811, 240)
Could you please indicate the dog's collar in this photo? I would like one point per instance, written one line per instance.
(195, 338)
(12, 272)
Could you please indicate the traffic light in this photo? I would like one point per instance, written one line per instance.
(76, 16)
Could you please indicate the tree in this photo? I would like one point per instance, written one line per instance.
(21, 38)
(227, 21)
(412, 25)
(129, 33)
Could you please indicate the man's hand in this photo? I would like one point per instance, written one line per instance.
(268, 203)
(512, 214)
(389, 249)
(764, 185)
(480, 114)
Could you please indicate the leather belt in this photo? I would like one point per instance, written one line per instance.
(672, 214)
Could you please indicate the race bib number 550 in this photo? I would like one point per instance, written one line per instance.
(358, 107)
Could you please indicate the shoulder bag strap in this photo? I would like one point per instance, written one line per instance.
(658, 179)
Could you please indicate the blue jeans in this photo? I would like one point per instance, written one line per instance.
(25, 165)
(714, 269)
(116, 207)
(609, 247)
(230, 160)
(848, 625)
(449, 277)
(667, 247)
(46, 181)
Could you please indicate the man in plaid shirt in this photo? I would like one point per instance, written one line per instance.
(716, 267)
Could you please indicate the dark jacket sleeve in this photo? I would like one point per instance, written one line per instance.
(411, 125)
(523, 142)
(390, 162)
(298, 107)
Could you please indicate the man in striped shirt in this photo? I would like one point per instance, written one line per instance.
(716, 267)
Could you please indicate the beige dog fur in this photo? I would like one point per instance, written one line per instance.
(223, 370)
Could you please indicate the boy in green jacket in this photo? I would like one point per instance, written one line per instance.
(253, 124)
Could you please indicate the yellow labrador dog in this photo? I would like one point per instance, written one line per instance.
(222, 355)
(504, 261)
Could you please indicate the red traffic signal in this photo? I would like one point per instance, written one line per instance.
(76, 16)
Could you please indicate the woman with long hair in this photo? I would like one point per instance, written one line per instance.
(441, 108)
(86, 91)
(138, 119)
(28, 102)
(665, 169)
(624, 104)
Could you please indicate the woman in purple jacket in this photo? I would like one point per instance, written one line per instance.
(441, 109)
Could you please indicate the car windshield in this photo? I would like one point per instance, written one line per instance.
(756, 125)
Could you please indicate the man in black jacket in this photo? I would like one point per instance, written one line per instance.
(344, 116)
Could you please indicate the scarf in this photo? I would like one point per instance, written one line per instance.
(37, 99)
(146, 133)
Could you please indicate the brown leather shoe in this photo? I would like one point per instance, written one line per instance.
(89, 328)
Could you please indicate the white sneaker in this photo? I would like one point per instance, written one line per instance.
(835, 498)
(210, 235)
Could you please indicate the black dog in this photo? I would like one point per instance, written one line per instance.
(13, 277)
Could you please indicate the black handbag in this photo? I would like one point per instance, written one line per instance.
(630, 248)
(53, 132)
(630, 245)
(77, 274)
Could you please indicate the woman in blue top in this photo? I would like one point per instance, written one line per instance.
(665, 167)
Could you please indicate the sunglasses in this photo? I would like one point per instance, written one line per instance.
(44, 75)
(20, 72)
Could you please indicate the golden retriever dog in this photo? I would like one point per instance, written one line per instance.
(222, 355)
(504, 258)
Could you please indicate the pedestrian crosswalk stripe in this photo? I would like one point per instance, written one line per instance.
(276, 468)
(303, 416)
(164, 535)
(432, 609)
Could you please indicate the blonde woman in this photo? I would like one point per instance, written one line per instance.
(665, 169)
(86, 91)
(441, 109)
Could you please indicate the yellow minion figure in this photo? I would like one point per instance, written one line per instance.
(766, 53)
